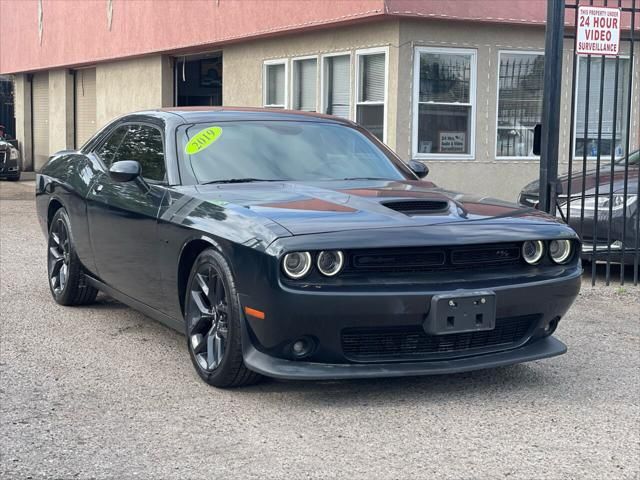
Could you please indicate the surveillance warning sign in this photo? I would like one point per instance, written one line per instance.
(598, 31)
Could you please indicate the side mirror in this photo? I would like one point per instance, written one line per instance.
(125, 171)
(537, 139)
(419, 168)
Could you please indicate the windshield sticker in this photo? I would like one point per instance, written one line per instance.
(218, 203)
(202, 140)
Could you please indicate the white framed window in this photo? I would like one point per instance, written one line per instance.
(444, 103)
(274, 83)
(304, 82)
(336, 84)
(586, 127)
(371, 90)
(519, 107)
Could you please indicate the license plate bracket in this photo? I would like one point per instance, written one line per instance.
(461, 312)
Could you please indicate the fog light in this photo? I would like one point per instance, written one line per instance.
(532, 251)
(551, 326)
(302, 347)
(560, 250)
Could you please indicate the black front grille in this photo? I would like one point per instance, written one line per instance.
(413, 343)
(3, 156)
(470, 256)
(396, 260)
(418, 207)
(426, 259)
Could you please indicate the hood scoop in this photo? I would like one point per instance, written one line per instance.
(418, 207)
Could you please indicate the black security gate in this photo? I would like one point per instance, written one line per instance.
(599, 195)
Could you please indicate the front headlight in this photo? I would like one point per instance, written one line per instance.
(560, 250)
(532, 251)
(616, 201)
(330, 262)
(297, 264)
(15, 154)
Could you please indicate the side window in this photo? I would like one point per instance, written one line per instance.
(144, 144)
(108, 149)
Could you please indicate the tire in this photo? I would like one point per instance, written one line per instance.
(212, 323)
(15, 178)
(67, 282)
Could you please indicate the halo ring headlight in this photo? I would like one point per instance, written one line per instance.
(330, 262)
(560, 250)
(297, 264)
(532, 251)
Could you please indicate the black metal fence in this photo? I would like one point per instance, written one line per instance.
(599, 195)
(519, 102)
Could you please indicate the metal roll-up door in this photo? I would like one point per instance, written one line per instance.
(40, 120)
(85, 109)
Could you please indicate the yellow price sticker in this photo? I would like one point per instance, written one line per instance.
(202, 140)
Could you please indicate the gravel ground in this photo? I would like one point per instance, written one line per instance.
(105, 392)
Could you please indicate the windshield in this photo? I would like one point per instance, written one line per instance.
(281, 150)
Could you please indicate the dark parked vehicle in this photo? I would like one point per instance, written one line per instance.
(624, 225)
(298, 246)
(10, 159)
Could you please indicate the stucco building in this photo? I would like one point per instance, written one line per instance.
(457, 84)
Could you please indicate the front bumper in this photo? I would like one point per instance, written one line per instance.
(292, 370)
(8, 167)
(322, 315)
(609, 252)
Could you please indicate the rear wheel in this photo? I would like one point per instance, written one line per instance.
(67, 282)
(212, 322)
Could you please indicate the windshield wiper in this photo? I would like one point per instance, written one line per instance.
(239, 180)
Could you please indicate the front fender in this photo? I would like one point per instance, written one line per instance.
(65, 181)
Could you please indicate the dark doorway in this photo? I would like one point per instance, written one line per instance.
(7, 119)
(198, 80)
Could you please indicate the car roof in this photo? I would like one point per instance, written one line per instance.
(213, 114)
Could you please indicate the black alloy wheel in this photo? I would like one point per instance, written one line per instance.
(59, 256)
(67, 281)
(208, 320)
(212, 323)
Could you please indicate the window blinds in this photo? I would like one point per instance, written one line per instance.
(275, 85)
(372, 78)
(305, 92)
(607, 95)
(338, 86)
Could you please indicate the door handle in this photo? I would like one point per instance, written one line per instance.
(98, 188)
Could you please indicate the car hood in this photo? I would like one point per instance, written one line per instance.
(591, 179)
(319, 207)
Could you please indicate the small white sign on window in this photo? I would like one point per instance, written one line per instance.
(598, 31)
(452, 142)
(425, 146)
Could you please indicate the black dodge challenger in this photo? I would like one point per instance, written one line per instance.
(298, 246)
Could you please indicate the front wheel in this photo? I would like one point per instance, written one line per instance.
(212, 322)
(67, 282)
